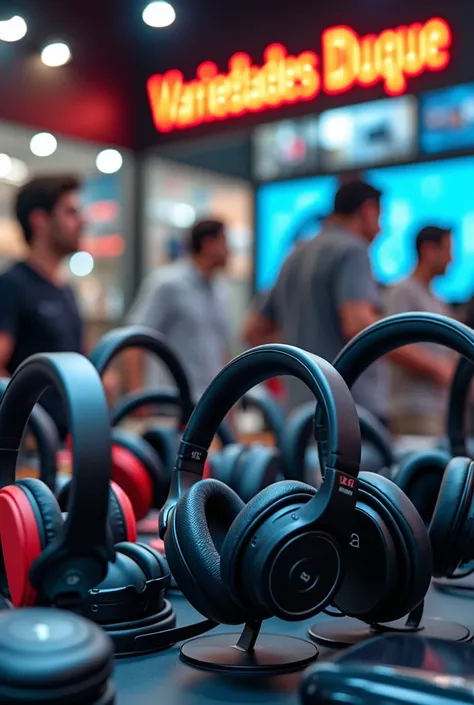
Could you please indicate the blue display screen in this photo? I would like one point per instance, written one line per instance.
(447, 119)
(414, 196)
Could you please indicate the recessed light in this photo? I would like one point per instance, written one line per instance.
(43, 144)
(13, 30)
(56, 54)
(109, 161)
(159, 14)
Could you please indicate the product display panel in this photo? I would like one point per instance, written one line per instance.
(447, 119)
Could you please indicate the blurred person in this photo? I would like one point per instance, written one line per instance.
(186, 302)
(418, 401)
(326, 294)
(38, 311)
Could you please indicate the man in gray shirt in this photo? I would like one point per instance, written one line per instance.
(418, 402)
(186, 302)
(326, 294)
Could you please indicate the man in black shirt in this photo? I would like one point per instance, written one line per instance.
(38, 312)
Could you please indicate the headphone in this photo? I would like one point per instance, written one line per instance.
(301, 464)
(247, 469)
(54, 657)
(46, 560)
(287, 553)
(44, 431)
(451, 522)
(135, 464)
(140, 487)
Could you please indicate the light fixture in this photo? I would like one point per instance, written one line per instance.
(81, 264)
(56, 54)
(13, 30)
(109, 161)
(159, 14)
(43, 144)
(5, 166)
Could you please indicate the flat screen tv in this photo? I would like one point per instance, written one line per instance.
(447, 119)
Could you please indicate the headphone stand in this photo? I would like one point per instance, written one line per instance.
(232, 654)
(460, 586)
(347, 631)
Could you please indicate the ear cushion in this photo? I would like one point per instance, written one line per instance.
(150, 561)
(164, 442)
(193, 541)
(50, 517)
(415, 536)
(257, 510)
(258, 467)
(419, 476)
(454, 498)
(121, 516)
(224, 463)
(148, 459)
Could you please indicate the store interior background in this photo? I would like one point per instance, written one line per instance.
(138, 216)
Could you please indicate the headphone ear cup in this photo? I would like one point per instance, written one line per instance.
(294, 442)
(139, 480)
(30, 519)
(193, 541)
(446, 529)
(258, 468)
(164, 442)
(411, 579)
(121, 517)
(419, 476)
(238, 537)
(223, 464)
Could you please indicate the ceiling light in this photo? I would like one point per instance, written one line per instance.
(109, 161)
(18, 172)
(56, 54)
(159, 14)
(81, 264)
(43, 144)
(13, 30)
(5, 166)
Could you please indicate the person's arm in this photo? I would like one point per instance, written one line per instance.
(152, 308)
(9, 323)
(260, 326)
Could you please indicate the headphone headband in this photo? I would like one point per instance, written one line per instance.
(341, 424)
(457, 407)
(135, 400)
(114, 342)
(83, 397)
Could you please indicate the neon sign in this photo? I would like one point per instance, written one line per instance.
(346, 60)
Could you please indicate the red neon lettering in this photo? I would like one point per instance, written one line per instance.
(347, 60)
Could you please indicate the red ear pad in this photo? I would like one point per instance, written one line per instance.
(207, 474)
(21, 543)
(121, 516)
(129, 473)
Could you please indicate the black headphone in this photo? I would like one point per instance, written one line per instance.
(283, 553)
(248, 469)
(46, 560)
(44, 431)
(452, 518)
(376, 449)
(55, 658)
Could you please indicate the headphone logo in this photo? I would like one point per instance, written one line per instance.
(346, 484)
(196, 455)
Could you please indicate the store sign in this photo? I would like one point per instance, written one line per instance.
(346, 60)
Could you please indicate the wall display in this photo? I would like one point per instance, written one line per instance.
(286, 213)
(371, 133)
(346, 60)
(421, 194)
(438, 193)
(447, 119)
(284, 149)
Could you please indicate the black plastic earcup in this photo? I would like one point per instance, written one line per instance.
(224, 463)
(267, 503)
(193, 543)
(419, 476)
(45, 506)
(390, 560)
(258, 467)
(451, 512)
(148, 458)
(164, 442)
(54, 657)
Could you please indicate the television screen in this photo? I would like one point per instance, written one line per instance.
(285, 213)
(285, 149)
(447, 119)
(436, 193)
(368, 134)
